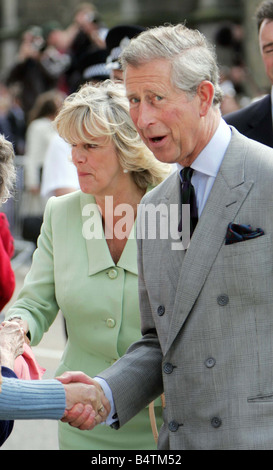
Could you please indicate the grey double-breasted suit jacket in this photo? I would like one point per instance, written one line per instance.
(207, 316)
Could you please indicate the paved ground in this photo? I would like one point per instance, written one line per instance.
(39, 435)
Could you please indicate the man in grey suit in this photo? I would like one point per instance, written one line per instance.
(255, 120)
(207, 308)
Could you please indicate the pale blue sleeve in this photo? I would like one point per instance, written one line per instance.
(31, 399)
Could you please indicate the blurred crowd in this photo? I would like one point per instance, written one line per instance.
(49, 58)
(236, 80)
(53, 62)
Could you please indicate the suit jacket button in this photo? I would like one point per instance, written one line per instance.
(168, 368)
(222, 300)
(173, 426)
(160, 310)
(113, 274)
(216, 422)
(210, 362)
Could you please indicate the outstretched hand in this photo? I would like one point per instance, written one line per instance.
(89, 406)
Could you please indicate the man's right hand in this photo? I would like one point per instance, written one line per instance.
(91, 407)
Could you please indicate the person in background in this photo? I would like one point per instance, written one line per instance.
(86, 261)
(7, 181)
(255, 120)
(16, 120)
(92, 68)
(229, 101)
(40, 132)
(28, 71)
(89, 37)
(5, 104)
(7, 277)
(59, 175)
(116, 40)
(91, 29)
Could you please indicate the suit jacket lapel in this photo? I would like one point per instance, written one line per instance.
(99, 257)
(227, 195)
(174, 254)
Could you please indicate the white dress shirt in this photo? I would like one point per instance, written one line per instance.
(207, 164)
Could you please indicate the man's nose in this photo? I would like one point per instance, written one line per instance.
(144, 116)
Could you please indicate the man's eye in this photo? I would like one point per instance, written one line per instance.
(158, 98)
(134, 100)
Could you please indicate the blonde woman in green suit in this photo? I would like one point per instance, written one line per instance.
(86, 261)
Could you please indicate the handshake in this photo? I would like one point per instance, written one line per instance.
(86, 404)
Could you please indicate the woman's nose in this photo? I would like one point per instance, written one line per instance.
(78, 155)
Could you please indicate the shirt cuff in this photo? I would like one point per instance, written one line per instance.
(112, 417)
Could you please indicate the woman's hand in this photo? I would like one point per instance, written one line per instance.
(22, 323)
(11, 342)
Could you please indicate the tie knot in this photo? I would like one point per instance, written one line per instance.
(186, 173)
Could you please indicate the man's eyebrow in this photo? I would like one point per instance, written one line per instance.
(148, 91)
(269, 44)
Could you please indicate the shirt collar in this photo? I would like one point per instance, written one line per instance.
(99, 257)
(210, 158)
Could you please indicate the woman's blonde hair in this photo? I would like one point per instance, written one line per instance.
(102, 110)
(7, 169)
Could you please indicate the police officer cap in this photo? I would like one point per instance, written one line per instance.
(94, 66)
(117, 39)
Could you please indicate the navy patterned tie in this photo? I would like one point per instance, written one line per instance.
(188, 197)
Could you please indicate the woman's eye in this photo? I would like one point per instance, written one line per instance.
(90, 146)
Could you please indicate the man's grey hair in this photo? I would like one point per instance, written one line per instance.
(193, 58)
(264, 12)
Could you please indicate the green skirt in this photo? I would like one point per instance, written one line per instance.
(134, 435)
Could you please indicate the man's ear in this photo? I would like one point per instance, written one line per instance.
(205, 91)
